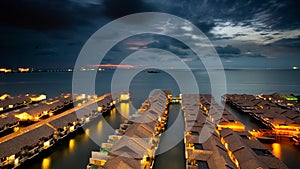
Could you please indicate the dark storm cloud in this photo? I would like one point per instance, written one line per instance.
(47, 15)
(35, 14)
(52, 32)
(230, 52)
(119, 8)
(287, 42)
(171, 45)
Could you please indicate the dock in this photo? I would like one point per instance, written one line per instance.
(228, 146)
(282, 122)
(63, 115)
(134, 144)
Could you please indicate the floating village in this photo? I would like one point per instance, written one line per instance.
(213, 137)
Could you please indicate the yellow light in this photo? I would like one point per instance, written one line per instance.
(276, 150)
(124, 97)
(46, 163)
(11, 158)
(226, 146)
(71, 144)
(100, 109)
(233, 127)
(10, 106)
(16, 129)
(23, 69)
(23, 116)
(16, 162)
(45, 112)
(99, 127)
(40, 98)
(46, 144)
(5, 70)
(72, 128)
(87, 133)
(125, 109)
(4, 96)
(49, 103)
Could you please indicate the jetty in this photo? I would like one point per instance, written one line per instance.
(228, 146)
(134, 144)
(47, 122)
(281, 121)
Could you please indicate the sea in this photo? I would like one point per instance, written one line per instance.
(75, 151)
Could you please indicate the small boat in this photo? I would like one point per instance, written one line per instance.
(153, 71)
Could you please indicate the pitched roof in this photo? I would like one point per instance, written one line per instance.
(30, 138)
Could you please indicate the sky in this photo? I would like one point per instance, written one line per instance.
(245, 33)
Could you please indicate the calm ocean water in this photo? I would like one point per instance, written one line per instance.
(75, 153)
(238, 81)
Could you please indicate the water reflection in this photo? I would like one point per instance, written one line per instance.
(113, 114)
(99, 126)
(276, 150)
(87, 133)
(71, 145)
(125, 110)
(46, 163)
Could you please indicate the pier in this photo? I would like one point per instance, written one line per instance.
(228, 146)
(35, 126)
(134, 144)
(62, 116)
(282, 122)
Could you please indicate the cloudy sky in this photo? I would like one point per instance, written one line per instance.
(245, 33)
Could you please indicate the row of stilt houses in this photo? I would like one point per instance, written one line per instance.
(134, 144)
(271, 111)
(216, 139)
(41, 136)
(8, 103)
(38, 109)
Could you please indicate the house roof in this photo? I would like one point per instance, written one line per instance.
(64, 121)
(30, 138)
(244, 151)
(122, 162)
(7, 119)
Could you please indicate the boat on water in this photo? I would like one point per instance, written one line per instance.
(153, 71)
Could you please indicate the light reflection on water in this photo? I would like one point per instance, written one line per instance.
(125, 109)
(99, 127)
(87, 134)
(46, 163)
(72, 145)
(276, 150)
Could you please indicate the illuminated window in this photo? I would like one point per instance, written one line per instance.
(46, 144)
